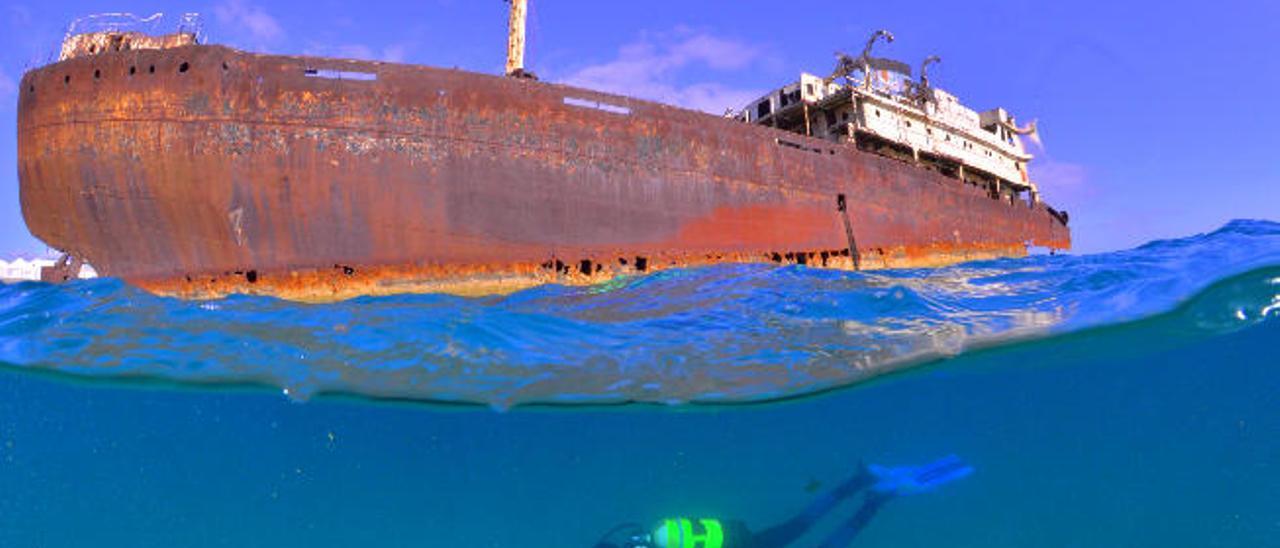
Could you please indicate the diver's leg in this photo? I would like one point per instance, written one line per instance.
(788, 531)
(842, 536)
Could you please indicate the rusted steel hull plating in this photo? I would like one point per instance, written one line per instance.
(201, 170)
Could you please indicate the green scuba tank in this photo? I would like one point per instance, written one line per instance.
(684, 533)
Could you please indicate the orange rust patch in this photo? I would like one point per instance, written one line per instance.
(759, 225)
(345, 281)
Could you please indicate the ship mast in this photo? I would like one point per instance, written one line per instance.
(515, 40)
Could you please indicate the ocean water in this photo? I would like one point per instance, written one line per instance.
(1120, 399)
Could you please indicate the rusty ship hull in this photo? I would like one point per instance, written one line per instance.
(203, 170)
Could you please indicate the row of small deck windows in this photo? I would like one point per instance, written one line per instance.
(967, 144)
(929, 130)
(97, 73)
(125, 46)
(947, 137)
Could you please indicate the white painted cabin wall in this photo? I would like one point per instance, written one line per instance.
(945, 128)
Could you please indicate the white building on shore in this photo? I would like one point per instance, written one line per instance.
(22, 269)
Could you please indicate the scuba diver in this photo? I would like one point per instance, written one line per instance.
(880, 483)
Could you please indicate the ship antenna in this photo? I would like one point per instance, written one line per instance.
(845, 65)
(925, 90)
(866, 54)
(515, 40)
(924, 69)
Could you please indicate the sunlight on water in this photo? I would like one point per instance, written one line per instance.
(726, 333)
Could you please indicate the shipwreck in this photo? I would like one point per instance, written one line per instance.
(198, 170)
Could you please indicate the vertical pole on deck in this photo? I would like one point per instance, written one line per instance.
(515, 37)
(807, 132)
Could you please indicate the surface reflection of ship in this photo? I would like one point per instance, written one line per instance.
(199, 170)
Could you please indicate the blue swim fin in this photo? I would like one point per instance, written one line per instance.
(909, 480)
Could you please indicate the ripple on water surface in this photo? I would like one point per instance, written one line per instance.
(723, 333)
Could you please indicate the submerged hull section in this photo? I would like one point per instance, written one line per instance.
(308, 178)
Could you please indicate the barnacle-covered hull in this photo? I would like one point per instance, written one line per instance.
(202, 170)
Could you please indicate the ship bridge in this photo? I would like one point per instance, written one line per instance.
(876, 105)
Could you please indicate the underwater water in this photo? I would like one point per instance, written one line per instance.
(1119, 399)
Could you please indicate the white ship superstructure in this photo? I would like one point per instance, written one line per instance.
(874, 104)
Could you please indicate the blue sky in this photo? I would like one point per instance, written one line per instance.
(1159, 118)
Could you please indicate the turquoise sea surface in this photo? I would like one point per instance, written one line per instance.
(1120, 399)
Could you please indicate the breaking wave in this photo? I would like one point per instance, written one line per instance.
(732, 333)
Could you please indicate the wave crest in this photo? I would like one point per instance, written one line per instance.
(725, 333)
